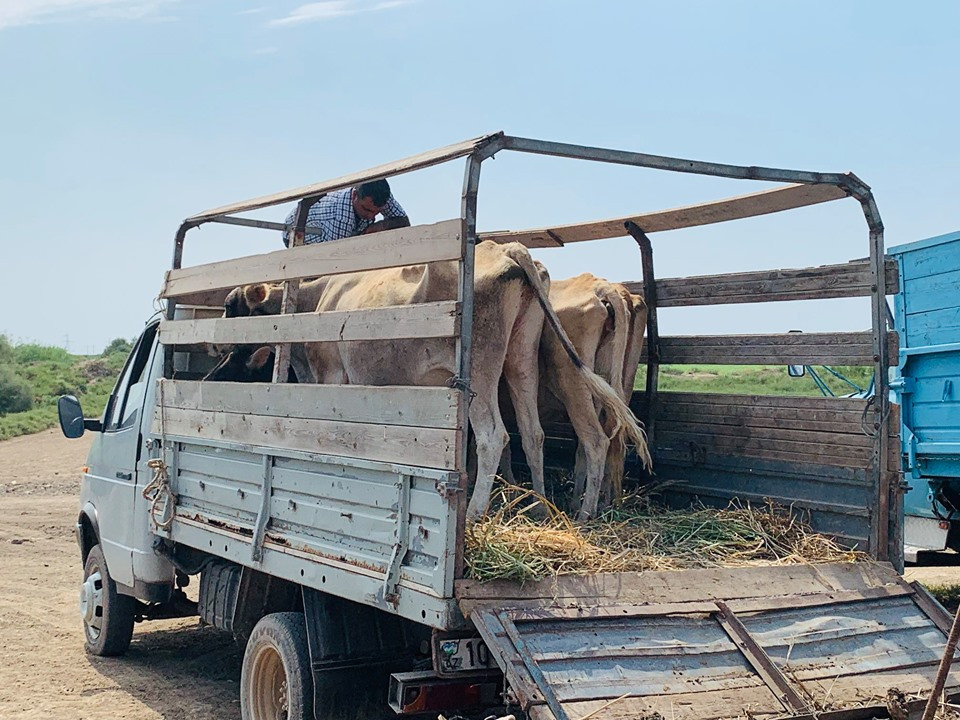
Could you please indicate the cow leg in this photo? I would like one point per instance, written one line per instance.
(578, 401)
(491, 436)
(521, 370)
(301, 364)
(506, 466)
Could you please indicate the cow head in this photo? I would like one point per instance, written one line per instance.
(244, 364)
(257, 299)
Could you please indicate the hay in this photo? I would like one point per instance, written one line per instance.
(528, 538)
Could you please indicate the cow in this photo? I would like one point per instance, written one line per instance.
(246, 364)
(605, 324)
(511, 303)
(267, 301)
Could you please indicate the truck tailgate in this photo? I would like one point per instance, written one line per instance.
(718, 643)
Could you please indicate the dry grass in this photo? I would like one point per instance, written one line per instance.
(528, 538)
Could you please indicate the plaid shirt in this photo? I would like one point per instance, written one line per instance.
(334, 213)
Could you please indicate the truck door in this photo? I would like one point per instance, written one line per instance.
(114, 461)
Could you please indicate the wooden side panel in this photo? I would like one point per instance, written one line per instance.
(417, 446)
(851, 279)
(852, 348)
(391, 248)
(760, 203)
(430, 407)
(438, 319)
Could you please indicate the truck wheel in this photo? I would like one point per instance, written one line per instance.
(276, 680)
(107, 615)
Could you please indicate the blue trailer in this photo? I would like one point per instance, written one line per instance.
(927, 317)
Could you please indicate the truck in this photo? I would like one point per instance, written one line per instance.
(326, 523)
(926, 310)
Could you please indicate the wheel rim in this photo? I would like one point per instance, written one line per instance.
(268, 686)
(91, 603)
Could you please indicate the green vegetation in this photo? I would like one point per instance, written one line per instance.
(751, 380)
(33, 377)
(946, 595)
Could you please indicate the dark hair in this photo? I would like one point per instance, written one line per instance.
(376, 190)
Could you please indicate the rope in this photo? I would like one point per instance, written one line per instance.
(158, 489)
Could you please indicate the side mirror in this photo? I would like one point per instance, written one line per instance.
(796, 371)
(71, 416)
(72, 423)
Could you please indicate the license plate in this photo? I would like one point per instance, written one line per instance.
(459, 655)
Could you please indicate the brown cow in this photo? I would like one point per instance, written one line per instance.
(511, 300)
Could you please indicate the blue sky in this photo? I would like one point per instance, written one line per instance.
(121, 117)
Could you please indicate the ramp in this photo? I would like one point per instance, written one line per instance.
(822, 640)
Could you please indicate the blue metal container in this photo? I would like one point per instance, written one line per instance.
(927, 316)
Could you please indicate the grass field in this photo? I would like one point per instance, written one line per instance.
(39, 375)
(751, 380)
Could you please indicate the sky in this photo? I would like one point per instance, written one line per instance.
(119, 118)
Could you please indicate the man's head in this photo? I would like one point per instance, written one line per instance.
(369, 198)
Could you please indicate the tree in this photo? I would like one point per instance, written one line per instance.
(16, 394)
(118, 345)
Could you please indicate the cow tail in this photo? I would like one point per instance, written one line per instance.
(623, 418)
(621, 337)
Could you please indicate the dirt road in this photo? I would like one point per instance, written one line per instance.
(174, 669)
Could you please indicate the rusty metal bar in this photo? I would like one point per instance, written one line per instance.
(291, 291)
(934, 700)
(931, 607)
(653, 332)
(759, 659)
(261, 224)
(464, 346)
(661, 162)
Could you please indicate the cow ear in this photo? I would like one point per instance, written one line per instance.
(260, 358)
(255, 294)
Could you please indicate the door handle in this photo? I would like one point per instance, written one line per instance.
(125, 475)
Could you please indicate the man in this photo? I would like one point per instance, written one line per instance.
(350, 212)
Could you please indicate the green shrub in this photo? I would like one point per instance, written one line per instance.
(118, 345)
(6, 350)
(16, 394)
(30, 353)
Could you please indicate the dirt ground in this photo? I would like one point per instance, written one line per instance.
(174, 669)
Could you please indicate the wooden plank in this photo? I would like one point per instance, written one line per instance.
(391, 248)
(833, 692)
(426, 320)
(851, 279)
(752, 424)
(758, 659)
(838, 442)
(398, 167)
(433, 407)
(775, 401)
(851, 348)
(743, 206)
(751, 417)
(756, 701)
(653, 587)
(422, 447)
(528, 610)
(769, 449)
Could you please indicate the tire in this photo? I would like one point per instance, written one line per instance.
(107, 615)
(276, 679)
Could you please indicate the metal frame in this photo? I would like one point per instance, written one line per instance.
(479, 149)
